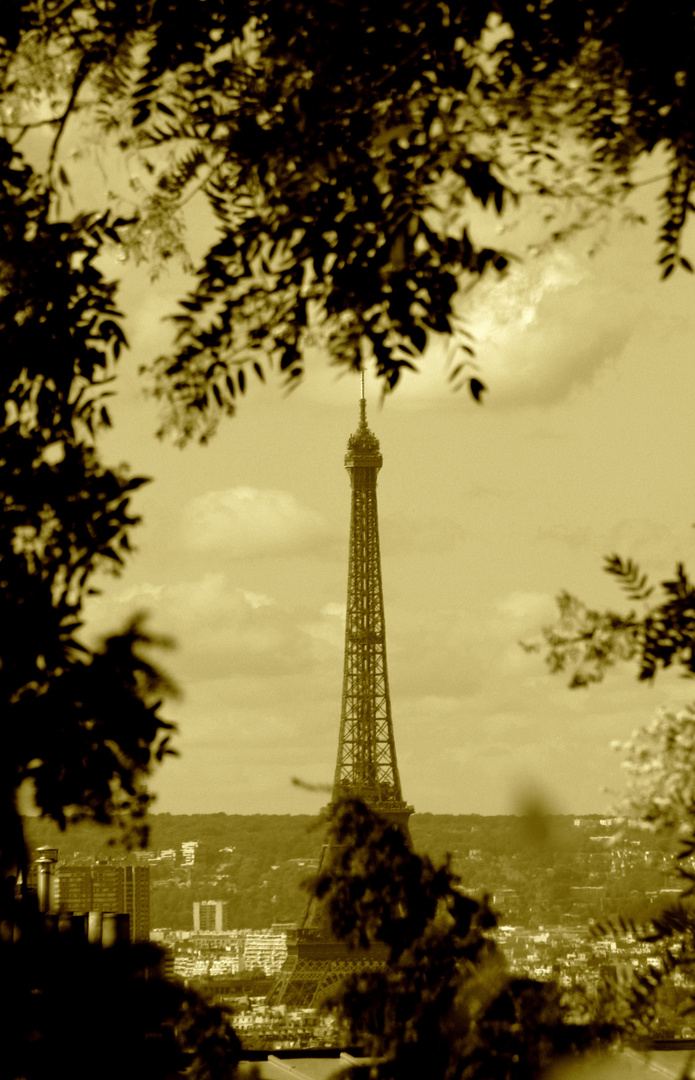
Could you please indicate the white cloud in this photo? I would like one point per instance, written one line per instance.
(221, 630)
(522, 606)
(256, 600)
(140, 593)
(549, 326)
(333, 608)
(544, 328)
(250, 522)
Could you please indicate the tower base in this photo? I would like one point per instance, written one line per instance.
(317, 962)
(311, 972)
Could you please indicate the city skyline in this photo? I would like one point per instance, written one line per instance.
(486, 513)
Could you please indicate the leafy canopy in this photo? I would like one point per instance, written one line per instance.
(444, 1005)
(656, 634)
(82, 725)
(342, 149)
(80, 1004)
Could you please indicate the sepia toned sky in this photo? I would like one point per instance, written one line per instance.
(584, 446)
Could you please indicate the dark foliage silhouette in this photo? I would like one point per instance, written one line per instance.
(445, 1006)
(658, 634)
(82, 724)
(341, 150)
(107, 1012)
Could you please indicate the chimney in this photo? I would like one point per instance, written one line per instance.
(45, 863)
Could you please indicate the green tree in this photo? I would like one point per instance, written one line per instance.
(105, 1012)
(82, 725)
(341, 149)
(658, 632)
(659, 761)
(445, 1006)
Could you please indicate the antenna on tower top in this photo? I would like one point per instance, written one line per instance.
(363, 402)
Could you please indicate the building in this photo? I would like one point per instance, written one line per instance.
(74, 888)
(107, 887)
(265, 950)
(137, 901)
(209, 915)
(188, 850)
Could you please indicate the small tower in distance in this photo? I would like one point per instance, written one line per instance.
(366, 767)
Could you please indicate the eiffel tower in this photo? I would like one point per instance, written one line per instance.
(366, 765)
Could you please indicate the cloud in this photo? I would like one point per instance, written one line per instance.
(524, 607)
(544, 329)
(577, 537)
(248, 522)
(221, 630)
(456, 651)
(652, 542)
(549, 326)
(434, 652)
(256, 600)
(334, 608)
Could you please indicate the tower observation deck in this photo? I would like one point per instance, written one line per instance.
(366, 766)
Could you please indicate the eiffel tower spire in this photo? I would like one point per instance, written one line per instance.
(366, 766)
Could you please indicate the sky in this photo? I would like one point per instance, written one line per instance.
(583, 447)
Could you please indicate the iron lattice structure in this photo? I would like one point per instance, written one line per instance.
(366, 765)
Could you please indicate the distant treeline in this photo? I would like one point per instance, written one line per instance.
(539, 870)
(430, 832)
(284, 835)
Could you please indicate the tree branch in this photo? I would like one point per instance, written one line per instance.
(66, 7)
(199, 187)
(80, 76)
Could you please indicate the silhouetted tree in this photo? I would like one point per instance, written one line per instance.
(81, 725)
(445, 1005)
(78, 1009)
(656, 635)
(341, 149)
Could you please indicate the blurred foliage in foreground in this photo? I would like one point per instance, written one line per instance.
(445, 1007)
